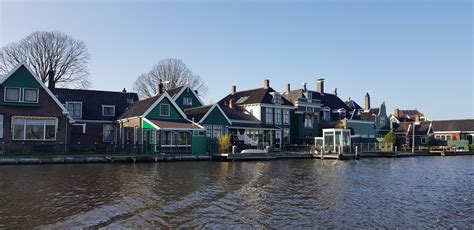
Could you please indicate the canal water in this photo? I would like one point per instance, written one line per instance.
(429, 192)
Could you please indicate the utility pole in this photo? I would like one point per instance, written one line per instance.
(413, 140)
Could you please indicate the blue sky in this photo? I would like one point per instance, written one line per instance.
(410, 54)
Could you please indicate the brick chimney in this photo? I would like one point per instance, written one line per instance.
(320, 85)
(233, 89)
(160, 88)
(51, 82)
(124, 90)
(367, 101)
(396, 113)
(231, 103)
(266, 84)
(288, 88)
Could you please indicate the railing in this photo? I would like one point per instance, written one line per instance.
(373, 147)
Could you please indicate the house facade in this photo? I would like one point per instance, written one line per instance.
(454, 130)
(157, 124)
(95, 113)
(260, 117)
(420, 132)
(375, 118)
(31, 117)
(185, 97)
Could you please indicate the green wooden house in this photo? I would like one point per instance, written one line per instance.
(157, 124)
(185, 97)
(213, 119)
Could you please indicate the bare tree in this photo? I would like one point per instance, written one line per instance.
(172, 71)
(45, 51)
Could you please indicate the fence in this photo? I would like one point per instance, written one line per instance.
(373, 147)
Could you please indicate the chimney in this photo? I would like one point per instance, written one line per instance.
(320, 85)
(287, 88)
(266, 84)
(196, 92)
(124, 90)
(367, 101)
(51, 83)
(335, 91)
(303, 87)
(233, 89)
(396, 113)
(231, 103)
(160, 88)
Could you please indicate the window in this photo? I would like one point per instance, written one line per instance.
(269, 115)
(34, 129)
(277, 100)
(217, 131)
(1, 126)
(164, 110)
(12, 94)
(310, 109)
(187, 101)
(21, 95)
(75, 109)
(286, 116)
(423, 140)
(108, 132)
(308, 121)
(182, 138)
(286, 136)
(208, 130)
(242, 100)
(278, 116)
(166, 138)
(448, 137)
(382, 121)
(326, 115)
(30, 95)
(108, 110)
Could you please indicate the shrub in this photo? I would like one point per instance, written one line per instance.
(224, 143)
(389, 138)
(471, 147)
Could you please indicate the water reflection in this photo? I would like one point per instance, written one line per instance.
(376, 193)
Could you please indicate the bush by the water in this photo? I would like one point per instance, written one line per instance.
(224, 143)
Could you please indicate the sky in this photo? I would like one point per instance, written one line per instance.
(410, 54)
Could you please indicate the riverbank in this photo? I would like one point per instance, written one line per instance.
(143, 158)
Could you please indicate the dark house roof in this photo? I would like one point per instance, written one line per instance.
(92, 101)
(353, 105)
(453, 125)
(420, 129)
(139, 108)
(174, 91)
(330, 100)
(237, 113)
(368, 115)
(253, 96)
(197, 113)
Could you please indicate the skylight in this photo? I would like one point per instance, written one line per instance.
(242, 100)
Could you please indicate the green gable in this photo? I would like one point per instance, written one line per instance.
(188, 93)
(155, 113)
(216, 118)
(22, 78)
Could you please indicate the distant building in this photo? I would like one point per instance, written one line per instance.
(378, 116)
(400, 115)
(423, 134)
(456, 130)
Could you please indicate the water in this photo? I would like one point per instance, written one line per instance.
(428, 192)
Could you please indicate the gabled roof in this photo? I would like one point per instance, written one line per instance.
(199, 114)
(8, 75)
(139, 108)
(93, 100)
(174, 91)
(238, 114)
(253, 96)
(353, 105)
(330, 100)
(369, 115)
(420, 129)
(293, 96)
(454, 125)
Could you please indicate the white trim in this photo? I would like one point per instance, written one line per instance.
(182, 91)
(5, 94)
(360, 122)
(246, 122)
(448, 132)
(210, 110)
(31, 102)
(44, 119)
(61, 106)
(149, 122)
(169, 110)
(73, 102)
(103, 106)
(113, 130)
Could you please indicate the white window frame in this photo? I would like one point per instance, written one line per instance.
(44, 130)
(269, 114)
(286, 114)
(1, 126)
(187, 101)
(5, 94)
(103, 133)
(278, 116)
(23, 95)
(71, 113)
(308, 123)
(169, 110)
(220, 128)
(107, 106)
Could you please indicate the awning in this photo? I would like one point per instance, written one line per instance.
(170, 125)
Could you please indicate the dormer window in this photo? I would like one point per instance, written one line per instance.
(326, 114)
(21, 95)
(108, 110)
(74, 108)
(277, 99)
(188, 101)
